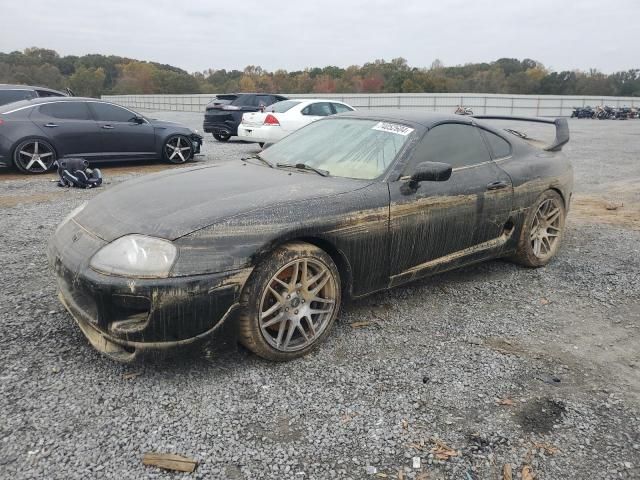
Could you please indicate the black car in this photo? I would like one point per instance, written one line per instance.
(15, 93)
(344, 207)
(222, 120)
(35, 133)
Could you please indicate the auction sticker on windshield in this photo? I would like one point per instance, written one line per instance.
(393, 128)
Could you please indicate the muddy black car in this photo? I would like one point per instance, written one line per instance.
(35, 133)
(344, 207)
(222, 118)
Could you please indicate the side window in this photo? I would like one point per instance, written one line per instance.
(320, 109)
(66, 110)
(499, 146)
(105, 112)
(9, 96)
(45, 93)
(453, 143)
(340, 108)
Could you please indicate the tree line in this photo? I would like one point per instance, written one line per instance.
(94, 75)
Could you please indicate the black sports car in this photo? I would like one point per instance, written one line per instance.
(346, 206)
(34, 133)
(15, 93)
(222, 119)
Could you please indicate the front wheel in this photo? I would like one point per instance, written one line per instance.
(290, 302)
(34, 156)
(222, 137)
(178, 149)
(542, 230)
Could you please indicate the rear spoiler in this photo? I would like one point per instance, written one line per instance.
(562, 127)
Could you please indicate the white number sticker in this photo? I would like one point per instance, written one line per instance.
(393, 128)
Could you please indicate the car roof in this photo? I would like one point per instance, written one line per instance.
(426, 119)
(9, 107)
(313, 100)
(9, 86)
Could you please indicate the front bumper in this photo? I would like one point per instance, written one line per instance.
(196, 142)
(123, 316)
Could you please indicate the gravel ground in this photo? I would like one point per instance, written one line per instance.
(502, 364)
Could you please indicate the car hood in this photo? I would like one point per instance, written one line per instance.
(173, 204)
(164, 124)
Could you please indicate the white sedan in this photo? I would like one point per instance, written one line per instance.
(282, 118)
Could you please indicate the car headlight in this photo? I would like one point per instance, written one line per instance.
(73, 213)
(136, 256)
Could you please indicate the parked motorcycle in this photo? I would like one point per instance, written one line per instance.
(582, 112)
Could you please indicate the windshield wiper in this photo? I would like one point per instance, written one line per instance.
(303, 166)
(258, 157)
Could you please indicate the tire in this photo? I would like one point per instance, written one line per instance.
(280, 320)
(542, 231)
(34, 156)
(222, 137)
(177, 149)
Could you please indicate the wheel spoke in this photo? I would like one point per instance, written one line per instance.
(30, 164)
(281, 332)
(304, 334)
(293, 281)
(322, 300)
(320, 284)
(278, 296)
(273, 308)
(547, 244)
(35, 147)
(185, 148)
(278, 318)
(292, 328)
(30, 155)
(318, 310)
(42, 155)
(180, 155)
(44, 167)
(553, 216)
(536, 247)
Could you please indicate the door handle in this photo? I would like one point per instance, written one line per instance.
(50, 125)
(108, 127)
(497, 185)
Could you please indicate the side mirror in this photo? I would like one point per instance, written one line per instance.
(431, 172)
(138, 120)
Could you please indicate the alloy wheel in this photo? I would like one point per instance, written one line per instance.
(34, 157)
(297, 305)
(178, 149)
(546, 228)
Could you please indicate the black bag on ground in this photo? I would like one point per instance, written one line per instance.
(75, 172)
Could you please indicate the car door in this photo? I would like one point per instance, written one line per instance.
(70, 127)
(437, 223)
(122, 136)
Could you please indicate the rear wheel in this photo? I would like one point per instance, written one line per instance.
(34, 156)
(178, 149)
(542, 232)
(222, 137)
(290, 302)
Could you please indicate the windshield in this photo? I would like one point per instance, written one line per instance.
(283, 106)
(345, 147)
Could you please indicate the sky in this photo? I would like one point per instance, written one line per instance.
(293, 34)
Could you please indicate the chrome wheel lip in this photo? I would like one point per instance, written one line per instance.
(293, 314)
(178, 149)
(546, 229)
(35, 156)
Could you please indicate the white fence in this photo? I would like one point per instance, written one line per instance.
(490, 104)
